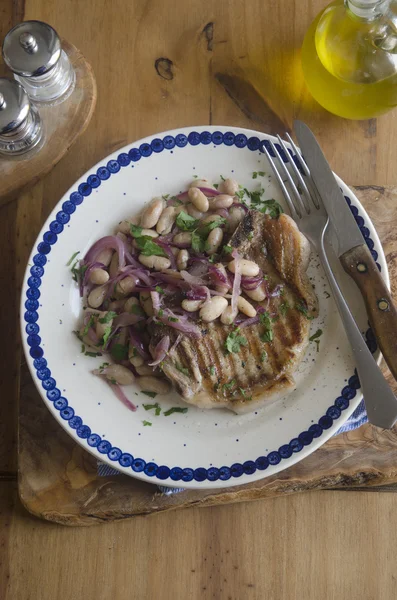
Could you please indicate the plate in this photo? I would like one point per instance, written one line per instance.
(199, 449)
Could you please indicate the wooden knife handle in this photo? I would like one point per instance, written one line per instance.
(360, 265)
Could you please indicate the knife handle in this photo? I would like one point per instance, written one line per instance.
(382, 314)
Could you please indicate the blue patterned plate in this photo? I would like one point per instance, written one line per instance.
(200, 448)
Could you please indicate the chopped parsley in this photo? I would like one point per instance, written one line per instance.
(137, 310)
(151, 406)
(303, 309)
(266, 321)
(175, 409)
(71, 259)
(119, 352)
(90, 323)
(314, 338)
(222, 177)
(147, 423)
(212, 370)
(263, 356)
(244, 394)
(173, 319)
(150, 394)
(148, 247)
(272, 208)
(256, 173)
(108, 317)
(284, 307)
(159, 289)
(228, 386)
(182, 369)
(165, 197)
(92, 354)
(216, 185)
(106, 335)
(185, 222)
(198, 243)
(136, 231)
(234, 341)
(103, 366)
(205, 229)
(78, 272)
(227, 249)
(82, 348)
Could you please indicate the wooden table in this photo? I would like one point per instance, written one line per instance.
(161, 65)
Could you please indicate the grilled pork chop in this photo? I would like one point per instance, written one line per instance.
(204, 373)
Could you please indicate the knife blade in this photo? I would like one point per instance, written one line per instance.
(353, 251)
(346, 228)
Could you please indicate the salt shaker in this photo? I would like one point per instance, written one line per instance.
(21, 129)
(33, 52)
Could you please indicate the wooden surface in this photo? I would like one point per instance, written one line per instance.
(63, 486)
(160, 65)
(62, 125)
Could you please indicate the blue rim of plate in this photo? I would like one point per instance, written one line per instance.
(43, 372)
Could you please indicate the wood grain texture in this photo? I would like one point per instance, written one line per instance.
(62, 125)
(58, 479)
(333, 546)
(382, 313)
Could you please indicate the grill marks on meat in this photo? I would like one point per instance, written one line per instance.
(243, 381)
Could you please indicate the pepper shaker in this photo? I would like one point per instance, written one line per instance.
(21, 128)
(33, 52)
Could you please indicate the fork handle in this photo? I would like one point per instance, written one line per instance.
(380, 402)
(382, 314)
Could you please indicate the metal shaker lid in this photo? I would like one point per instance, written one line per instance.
(14, 105)
(31, 48)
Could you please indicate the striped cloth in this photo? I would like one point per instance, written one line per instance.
(358, 418)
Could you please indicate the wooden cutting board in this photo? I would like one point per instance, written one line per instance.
(58, 480)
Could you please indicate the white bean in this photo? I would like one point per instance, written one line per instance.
(114, 265)
(146, 303)
(97, 296)
(175, 251)
(183, 238)
(204, 183)
(146, 370)
(173, 273)
(192, 305)
(229, 186)
(129, 303)
(182, 259)
(105, 256)
(236, 215)
(152, 213)
(149, 233)
(247, 267)
(193, 212)
(245, 307)
(258, 294)
(154, 384)
(210, 219)
(166, 220)
(221, 201)
(199, 200)
(214, 240)
(133, 356)
(119, 374)
(158, 263)
(125, 286)
(125, 226)
(116, 305)
(228, 316)
(100, 328)
(99, 276)
(213, 309)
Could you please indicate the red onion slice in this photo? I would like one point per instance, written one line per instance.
(237, 280)
(109, 241)
(160, 351)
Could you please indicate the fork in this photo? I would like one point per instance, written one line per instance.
(308, 211)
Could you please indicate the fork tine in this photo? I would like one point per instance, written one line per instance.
(286, 193)
(313, 193)
(306, 197)
(299, 206)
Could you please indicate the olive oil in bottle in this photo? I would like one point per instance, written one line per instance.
(349, 58)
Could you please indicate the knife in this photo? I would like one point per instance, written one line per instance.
(353, 252)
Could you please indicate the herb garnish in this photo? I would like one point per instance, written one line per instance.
(175, 409)
(148, 247)
(185, 222)
(314, 338)
(228, 386)
(150, 394)
(212, 370)
(93, 354)
(108, 317)
(119, 352)
(147, 423)
(155, 406)
(266, 321)
(159, 289)
(303, 309)
(234, 341)
(182, 369)
(227, 249)
(71, 259)
(90, 323)
(256, 173)
(284, 307)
